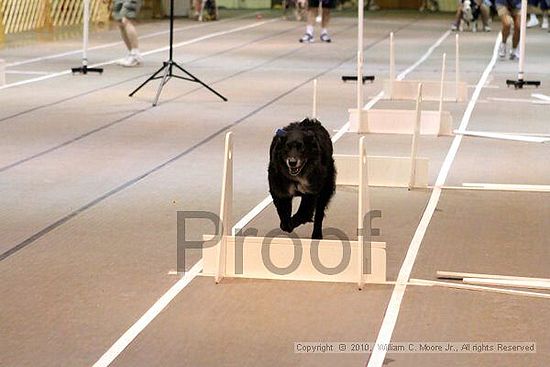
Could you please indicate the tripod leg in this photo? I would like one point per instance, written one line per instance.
(163, 81)
(149, 79)
(200, 82)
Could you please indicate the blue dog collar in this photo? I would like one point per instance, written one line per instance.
(280, 132)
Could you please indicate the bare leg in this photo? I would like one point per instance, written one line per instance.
(485, 14)
(326, 18)
(311, 15)
(515, 37)
(506, 24)
(124, 35)
(131, 34)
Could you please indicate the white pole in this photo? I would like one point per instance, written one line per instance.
(314, 112)
(442, 90)
(392, 66)
(363, 210)
(416, 133)
(522, 36)
(457, 68)
(86, 31)
(360, 18)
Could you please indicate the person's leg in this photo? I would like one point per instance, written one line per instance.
(533, 21)
(313, 6)
(544, 10)
(328, 5)
(124, 35)
(131, 34)
(517, 26)
(456, 23)
(485, 15)
(504, 15)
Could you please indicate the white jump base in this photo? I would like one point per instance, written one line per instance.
(383, 171)
(219, 260)
(282, 254)
(382, 121)
(406, 90)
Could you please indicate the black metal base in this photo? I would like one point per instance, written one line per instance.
(346, 78)
(167, 71)
(518, 84)
(84, 69)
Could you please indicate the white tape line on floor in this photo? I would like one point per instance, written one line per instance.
(392, 312)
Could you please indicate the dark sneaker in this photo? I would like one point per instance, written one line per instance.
(306, 38)
(325, 37)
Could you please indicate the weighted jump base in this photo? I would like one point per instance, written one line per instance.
(346, 78)
(518, 84)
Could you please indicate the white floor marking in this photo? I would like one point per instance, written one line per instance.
(541, 96)
(503, 136)
(27, 72)
(114, 351)
(110, 62)
(392, 312)
(126, 338)
(107, 45)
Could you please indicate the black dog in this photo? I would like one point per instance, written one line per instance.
(301, 164)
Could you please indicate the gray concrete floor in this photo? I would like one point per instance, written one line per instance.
(91, 180)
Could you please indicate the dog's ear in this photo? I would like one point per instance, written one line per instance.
(311, 139)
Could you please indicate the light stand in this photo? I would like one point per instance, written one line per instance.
(360, 58)
(84, 69)
(518, 84)
(168, 67)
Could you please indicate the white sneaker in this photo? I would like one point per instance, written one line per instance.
(502, 50)
(130, 61)
(544, 22)
(533, 21)
(514, 54)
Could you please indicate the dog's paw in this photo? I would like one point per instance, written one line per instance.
(317, 235)
(286, 226)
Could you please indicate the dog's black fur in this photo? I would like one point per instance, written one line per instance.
(301, 164)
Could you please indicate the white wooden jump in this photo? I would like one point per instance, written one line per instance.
(386, 171)
(304, 259)
(453, 91)
(390, 121)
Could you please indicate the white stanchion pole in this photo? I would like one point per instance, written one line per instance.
(416, 133)
(360, 25)
(86, 31)
(457, 67)
(520, 82)
(314, 110)
(363, 210)
(84, 69)
(523, 33)
(2, 72)
(392, 65)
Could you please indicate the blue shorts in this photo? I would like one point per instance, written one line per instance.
(511, 4)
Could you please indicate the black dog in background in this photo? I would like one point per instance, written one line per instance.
(301, 164)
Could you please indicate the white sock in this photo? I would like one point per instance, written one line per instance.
(533, 17)
(134, 51)
(309, 29)
(324, 31)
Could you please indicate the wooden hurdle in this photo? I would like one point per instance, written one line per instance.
(244, 256)
(389, 121)
(453, 91)
(410, 172)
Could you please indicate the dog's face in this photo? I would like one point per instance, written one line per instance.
(467, 12)
(296, 149)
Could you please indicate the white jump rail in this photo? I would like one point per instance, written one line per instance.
(244, 256)
(387, 171)
(453, 91)
(391, 121)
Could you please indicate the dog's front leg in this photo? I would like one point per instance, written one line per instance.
(284, 209)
